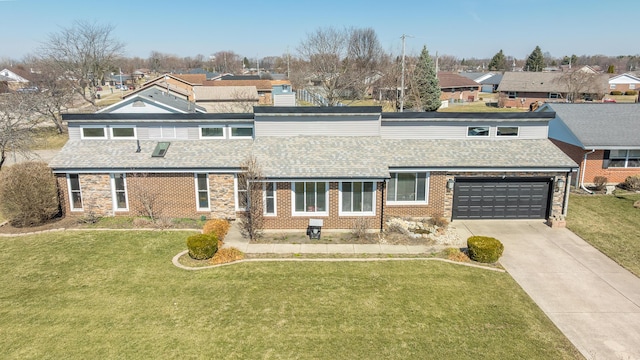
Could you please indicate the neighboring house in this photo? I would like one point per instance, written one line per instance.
(283, 95)
(176, 84)
(226, 99)
(623, 83)
(264, 87)
(523, 89)
(489, 81)
(339, 164)
(15, 78)
(153, 99)
(604, 139)
(457, 88)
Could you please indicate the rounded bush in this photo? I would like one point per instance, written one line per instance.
(484, 249)
(616, 92)
(218, 227)
(202, 246)
(631, 92)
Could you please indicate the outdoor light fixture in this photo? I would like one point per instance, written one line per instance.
(450, 183)
(559, 185)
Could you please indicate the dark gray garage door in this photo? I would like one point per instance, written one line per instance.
(497, 198)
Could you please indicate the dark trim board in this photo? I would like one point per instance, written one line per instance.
(498, 198)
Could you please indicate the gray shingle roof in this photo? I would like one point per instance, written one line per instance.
(547, 82)
(121, 154)
(601, 125)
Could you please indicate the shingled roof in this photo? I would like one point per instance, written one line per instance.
(453, 80)
(547, 82)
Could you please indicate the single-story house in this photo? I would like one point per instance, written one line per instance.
(624, 83)
(488, 81)
(338, 164)
(457, 88)
(603, 139)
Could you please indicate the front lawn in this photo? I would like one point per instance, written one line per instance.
(116, 294)
(610, 223)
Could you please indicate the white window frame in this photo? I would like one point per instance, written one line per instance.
(479, 126)
(104, 132)
(512, 94)
(71, 191)
(235, 193)
(135, 132)
(632, 86)
(305, 212)
(231, 136)
(612, 86)
(508, 136)
(359, 213)
(114, 191)
(555, 95)
(625, 158)
(275, 198)
(413, 202)
(224, 132)
(198, 191)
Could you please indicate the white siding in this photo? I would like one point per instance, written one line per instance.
(457, 130)
(284, 100)
(318, 126)
(74, 132)
(146, 109)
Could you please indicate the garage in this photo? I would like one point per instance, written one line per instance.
(498, 198)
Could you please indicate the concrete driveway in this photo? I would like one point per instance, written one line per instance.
(590, 298)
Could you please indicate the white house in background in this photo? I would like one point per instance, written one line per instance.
(13, 76)
(624, 82)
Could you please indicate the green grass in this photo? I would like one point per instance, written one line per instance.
(99, 295)
(610, 223)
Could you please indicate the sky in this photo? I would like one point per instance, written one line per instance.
(255, 29)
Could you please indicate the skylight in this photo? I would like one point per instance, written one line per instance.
(161, 149)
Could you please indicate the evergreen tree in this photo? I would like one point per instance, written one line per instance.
(498, 62)
(535, 61)
(611, 69)
(426, 82)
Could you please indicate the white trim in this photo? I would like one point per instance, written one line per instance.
(517, 135)
(275, 198)
(135, 132)
(104, 132)
(71, 203)
(241, 126)
(309, 213)
(235, 193)
(195, 178)
(427, 186)
(143, 170)
(114, 199)
(224, 132)
(358, 213)
(479, 136)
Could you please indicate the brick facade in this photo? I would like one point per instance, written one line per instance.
(594, 165)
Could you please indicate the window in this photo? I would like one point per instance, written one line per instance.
(123, 132)
(612, 86)
(211, 132)
(269, 198)
(507, 131)
(408, 187)
(160, 149)
(119, 188)
(624, 158)
(93, 132)
(632, 86)
(75, 193)
(310, 198)
(357, 197)
(242, 132)
(202, 191)
(478, 131)
(241, 194)
(512, 94)
(554, 95)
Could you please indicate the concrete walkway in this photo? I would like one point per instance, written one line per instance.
(590, 298)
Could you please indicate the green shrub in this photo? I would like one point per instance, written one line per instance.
(616, 92)
(484, 249)
(202, 246)
(29, 194)
(631, 183)
(631, 92)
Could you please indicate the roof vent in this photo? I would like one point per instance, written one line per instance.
(161, 149)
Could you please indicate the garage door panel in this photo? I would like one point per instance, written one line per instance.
(491, 198)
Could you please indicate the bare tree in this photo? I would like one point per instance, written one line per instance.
(54, 96)
(227, 62)
(83, 53)
(147, 196)
(340, 63)
(250, 197)
(16, 124)
(581, 83)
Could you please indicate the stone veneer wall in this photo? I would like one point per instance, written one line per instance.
(222, 197)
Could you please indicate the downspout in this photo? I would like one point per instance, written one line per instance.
(384, 185)
(584, 169)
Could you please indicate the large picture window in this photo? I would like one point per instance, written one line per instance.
(408, 187)
(119, 189)
(624, 158)
(310, 198)
(357, 197)
(75, 192)
(202, 191)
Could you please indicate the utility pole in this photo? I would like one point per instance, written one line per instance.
(403, 37)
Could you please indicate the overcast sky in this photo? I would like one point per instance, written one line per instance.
(464, 29)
